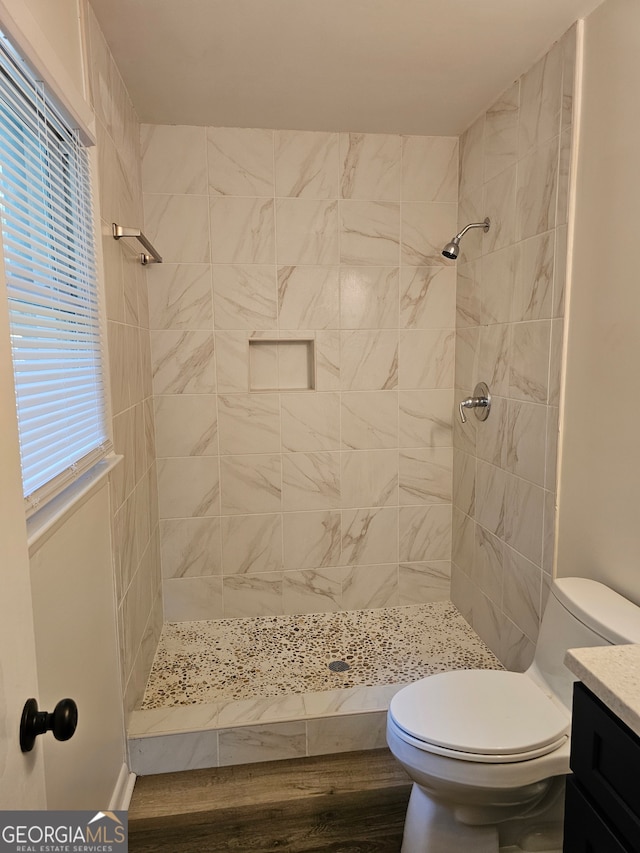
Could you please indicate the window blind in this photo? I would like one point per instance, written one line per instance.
(48, 245)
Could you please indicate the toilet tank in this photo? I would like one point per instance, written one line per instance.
(579, 613)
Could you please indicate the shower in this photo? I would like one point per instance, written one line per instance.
(452, 249)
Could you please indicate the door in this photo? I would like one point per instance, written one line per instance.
(21, 774)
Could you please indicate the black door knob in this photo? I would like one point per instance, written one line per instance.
(62, 722)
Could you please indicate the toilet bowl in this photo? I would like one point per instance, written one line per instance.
(488, 750)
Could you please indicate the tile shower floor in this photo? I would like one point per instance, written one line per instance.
(240, 690)
(273, 656)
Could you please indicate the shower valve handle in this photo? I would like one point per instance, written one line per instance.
(481, 402)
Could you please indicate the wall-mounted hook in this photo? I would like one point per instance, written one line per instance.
(481, 402)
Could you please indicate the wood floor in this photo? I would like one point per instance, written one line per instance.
(348, 803)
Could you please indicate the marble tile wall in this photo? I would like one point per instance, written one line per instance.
(514, 168)
(135, 527)
(279, 501)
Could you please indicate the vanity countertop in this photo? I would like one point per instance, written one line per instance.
(613, 674)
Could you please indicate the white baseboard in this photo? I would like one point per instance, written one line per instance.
(123, 790)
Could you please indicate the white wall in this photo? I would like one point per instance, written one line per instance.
(60, 21)
(599, 533)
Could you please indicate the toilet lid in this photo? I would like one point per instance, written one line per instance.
(484, 712)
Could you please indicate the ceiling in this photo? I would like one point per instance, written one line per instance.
(378, 66)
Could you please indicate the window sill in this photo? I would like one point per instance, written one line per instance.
(47, 520)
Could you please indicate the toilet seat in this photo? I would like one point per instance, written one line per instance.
(487, 716)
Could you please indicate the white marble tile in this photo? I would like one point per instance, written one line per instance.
(272, 709)
(347, 734)
(242, 230)
(471, 208)
(533, 291)
(245, 297)
(425, 418)
(307, 231)
(369, 478)
(190, 547)
(251, 484)
(490, 497)
(488, 563)
(494, 366)
(499, 202)
(190, 599)
(426, 227)
(180, 297)
(250, 744)
(536, 191)
(251, 543)
(548, 536)
(264, 374)
(369, 536)
(526, 440)
(560, 271)
(246, 596)
(313, 590)
(232, 361)
(463, 541)
(310, 421)
(501, 132)
(541, 101)
(472, 157)
(306, 164)
(366, 587)
(308, 297)
(523, 518)
(369, 297)
(369, 360)
(369, 420)
(310, 481)
(551, 450)
(369, 233)
(491, 435)
(327, 703)
(564, 178)
(174, 159)
(189, 487)
(311, 539)
(173, 719)
(370, 166)
(168, 753)
(468, 294)
(430, 168)
(515, 649)
(183, 362)
(186, 425)
(467, 359)
(425, 475)
(555, 361)
(425, 533)
(424, 582)
(240, 161)
(249, 423)
(498, 283)
(426, 358)
(464, 482)
(568, 44)
(529, 361)
(521, 593)
(327, 356)
(177, 225)
(427, 297)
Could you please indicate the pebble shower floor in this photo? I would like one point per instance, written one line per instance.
(203, 662)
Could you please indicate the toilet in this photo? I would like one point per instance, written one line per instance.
(488, 750)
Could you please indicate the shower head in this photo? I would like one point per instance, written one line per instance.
(452, 249)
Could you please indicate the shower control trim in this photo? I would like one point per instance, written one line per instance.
(480, 402)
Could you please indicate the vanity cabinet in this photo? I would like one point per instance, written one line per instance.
(602, 807)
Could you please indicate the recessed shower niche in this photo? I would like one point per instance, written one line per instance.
(282, 365)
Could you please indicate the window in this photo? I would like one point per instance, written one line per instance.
(48, 245)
